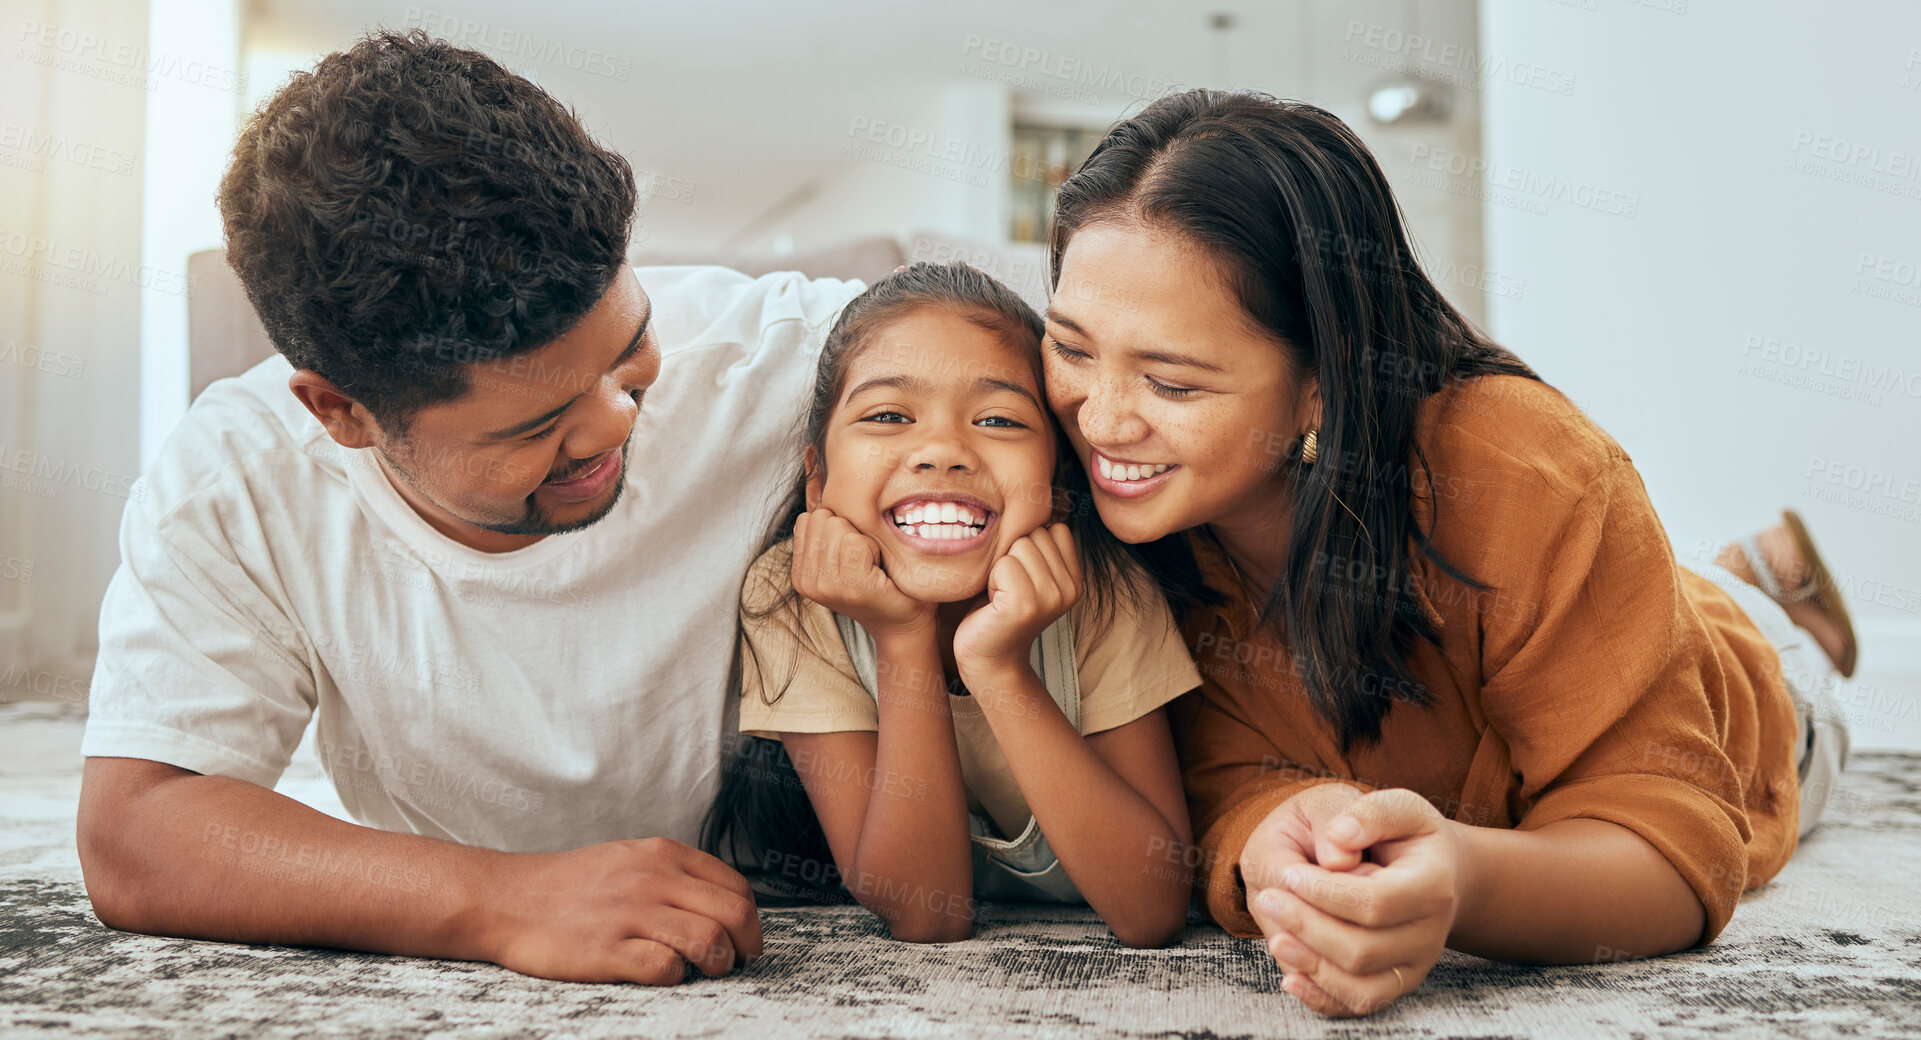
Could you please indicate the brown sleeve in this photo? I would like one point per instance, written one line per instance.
(1220, 869)
(1606, 687)
(1234, 778)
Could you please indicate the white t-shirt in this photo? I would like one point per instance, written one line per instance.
(567, 693)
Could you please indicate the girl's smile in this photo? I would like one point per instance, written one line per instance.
(943, 523)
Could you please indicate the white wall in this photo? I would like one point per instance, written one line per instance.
(751, 117)
(1725, 274)
(941, 168)
(194, 111)
(115, 119)
(73, 84)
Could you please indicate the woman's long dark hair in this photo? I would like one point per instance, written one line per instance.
(761, 819)
(1296, 213)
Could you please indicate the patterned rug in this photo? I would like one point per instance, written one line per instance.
(1831, 948)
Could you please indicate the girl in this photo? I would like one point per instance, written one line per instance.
(1457, 691)
(960, 721)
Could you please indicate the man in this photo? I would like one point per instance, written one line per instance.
(486, 519)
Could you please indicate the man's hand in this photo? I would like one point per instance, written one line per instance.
(167, 851)
(1029, 589)
(839, 568)
(1355, 893)
(624, 911)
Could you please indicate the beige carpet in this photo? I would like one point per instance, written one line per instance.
(1831, 949)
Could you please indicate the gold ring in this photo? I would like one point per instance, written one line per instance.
(1401, 978)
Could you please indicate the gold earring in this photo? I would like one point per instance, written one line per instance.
(1310, 447)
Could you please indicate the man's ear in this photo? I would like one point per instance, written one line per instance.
(347, 421)
(816, 479)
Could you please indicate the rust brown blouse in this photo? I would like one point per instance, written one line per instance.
(1594, 676)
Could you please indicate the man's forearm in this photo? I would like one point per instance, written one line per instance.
(1572, 892)
(169, 852)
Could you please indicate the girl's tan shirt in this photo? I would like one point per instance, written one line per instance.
(1593, 677)
(1132, 664)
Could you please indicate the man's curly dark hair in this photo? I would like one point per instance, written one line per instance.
(410, 207)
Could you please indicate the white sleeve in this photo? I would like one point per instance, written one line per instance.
(198, 667)
(738, 360)
(698, 308)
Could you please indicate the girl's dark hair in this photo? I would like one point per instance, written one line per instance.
(761, 819)
(1304, 229)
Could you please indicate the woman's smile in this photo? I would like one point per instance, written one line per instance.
(1128, 479)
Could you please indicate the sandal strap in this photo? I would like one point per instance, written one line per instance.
(1764, 574)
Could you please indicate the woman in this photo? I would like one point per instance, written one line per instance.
(1456, 690)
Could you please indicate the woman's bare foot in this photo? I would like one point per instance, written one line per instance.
(1828, 626)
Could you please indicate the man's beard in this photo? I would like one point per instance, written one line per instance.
(533, 520)
(537, 521)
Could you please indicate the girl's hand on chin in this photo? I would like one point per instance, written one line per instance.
(839, 568)
(1029, 589)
